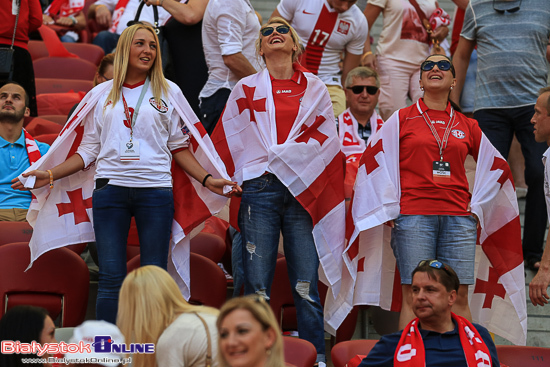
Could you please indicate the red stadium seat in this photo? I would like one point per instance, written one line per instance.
(47, 138)
(64, 68)
(57, 281)
(208, 245)
(85, 51)
(15, 232)
(521, 356)
(58, 119)
(299, 352)
(40, 126)
(342, 352)
(48, 85)
(57, 103)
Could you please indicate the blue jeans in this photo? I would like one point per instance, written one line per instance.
(267, 208)
(237, 261)
(107, 41)
(113, 208)
(447, 238)
(499, 125)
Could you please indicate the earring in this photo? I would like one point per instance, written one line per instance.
(422, 88)
(452, 87)
(268, 352)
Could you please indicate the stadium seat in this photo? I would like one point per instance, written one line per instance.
(40, 126)
(342, 352)
(47, 138)
(299, 352)
(57, 281)
(49, 85)
(85, 51)
(15, 232)
(58, 119)
(208, 245)
(64, 68)
(522, 356)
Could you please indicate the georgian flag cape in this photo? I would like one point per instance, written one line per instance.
(63, 215)
(497, 299)
(309, 163)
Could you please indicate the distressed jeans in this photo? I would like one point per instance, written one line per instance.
(268, 208)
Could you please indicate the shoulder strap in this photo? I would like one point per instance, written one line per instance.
(422, 15)
(16, 21)
(209, 346)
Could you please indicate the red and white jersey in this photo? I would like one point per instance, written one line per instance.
(325, 34)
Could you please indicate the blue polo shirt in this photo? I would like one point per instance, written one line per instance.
(14, 160)
(441, 349)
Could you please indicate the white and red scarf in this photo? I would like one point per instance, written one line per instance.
(117, 14)
(309, 163)
(410, 350)
(32, 148)
(371, 277)
(63, 215)
(64, 8)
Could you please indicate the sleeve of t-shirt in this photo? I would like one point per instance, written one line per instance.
(110, 4)
(489, 343)
(357, 44)
(468, 27)
(35, 15)
(476, 135)
(231, 25)
(179, 134)
(287, 8)
(43, 148)
(380, 3)
(381, 355)
(91, 143)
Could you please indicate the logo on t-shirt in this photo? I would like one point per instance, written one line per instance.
(459, 134)
(343, 27)
(279, 91)
(162, 107)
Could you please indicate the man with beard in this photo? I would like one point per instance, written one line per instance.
(18, 150)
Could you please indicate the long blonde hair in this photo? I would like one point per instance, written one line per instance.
(149, 302)
(261, 311)
(159, 85)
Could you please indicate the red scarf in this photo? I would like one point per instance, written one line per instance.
(64, 7)
(410, 350)
(32, 148)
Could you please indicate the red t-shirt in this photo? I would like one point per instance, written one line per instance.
(418, 149)
(287, 95)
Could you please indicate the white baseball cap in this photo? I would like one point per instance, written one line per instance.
(87, 333)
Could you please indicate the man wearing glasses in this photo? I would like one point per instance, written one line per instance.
(436, 337)
(360, 121)
(511, 38)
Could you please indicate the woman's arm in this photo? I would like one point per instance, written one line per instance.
(67, 168)
(187, 161)
(371, 13)
(187, 14)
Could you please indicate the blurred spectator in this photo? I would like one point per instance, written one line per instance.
(115, 15)
(505, 91)
(25, 324)
(29, 20)
(327, 28)
(404, 43)
(67, 15)
(229, 32)
(18, 150)
(249, 335)
(184, 335)
(183, 33)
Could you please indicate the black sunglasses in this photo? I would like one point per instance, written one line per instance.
(436, 264)
(358, 89)
(281, 29)
(442, 65)
(104, 77)
(511, 10)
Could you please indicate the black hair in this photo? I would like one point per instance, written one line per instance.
(445, 275)
(23, 324)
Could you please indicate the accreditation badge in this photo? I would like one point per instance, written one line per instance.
(129, 151)
(441, 171)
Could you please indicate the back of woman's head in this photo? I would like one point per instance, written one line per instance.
(23, 324)
(261, 312)
(107, 60)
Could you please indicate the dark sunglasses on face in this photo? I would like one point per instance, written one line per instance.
(282, 29)
(442, 65)
(358, 89)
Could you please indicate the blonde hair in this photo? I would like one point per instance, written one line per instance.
(293, 34)
(159, 85)
(149, 302)
(262, 313)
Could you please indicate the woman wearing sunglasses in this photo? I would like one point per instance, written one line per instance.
(415, 167)
(283, 116)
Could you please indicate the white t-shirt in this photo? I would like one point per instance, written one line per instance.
(184, 342)
(403, 35)
(325, 34)
(228, 27)
(158, 128)
(130, 13)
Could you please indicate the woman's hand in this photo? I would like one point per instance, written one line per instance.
(369, 60)
(440, 33)
(216, 185)
(65, 21)
(46, 19)
(42, 179)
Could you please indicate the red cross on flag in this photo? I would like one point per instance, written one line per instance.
(497, 300)
(63, 215)
(309, 162)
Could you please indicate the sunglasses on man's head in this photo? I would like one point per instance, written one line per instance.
(442, 65)
(436, 264)
(281, 29)
(511, 10)
(358, 89)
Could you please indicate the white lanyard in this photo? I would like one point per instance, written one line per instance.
(441, 144)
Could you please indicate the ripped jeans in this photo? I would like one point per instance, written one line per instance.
(268, 208)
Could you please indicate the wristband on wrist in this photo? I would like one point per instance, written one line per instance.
(205, 178)
(365, 55)
(51, 178)
(71, 17)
